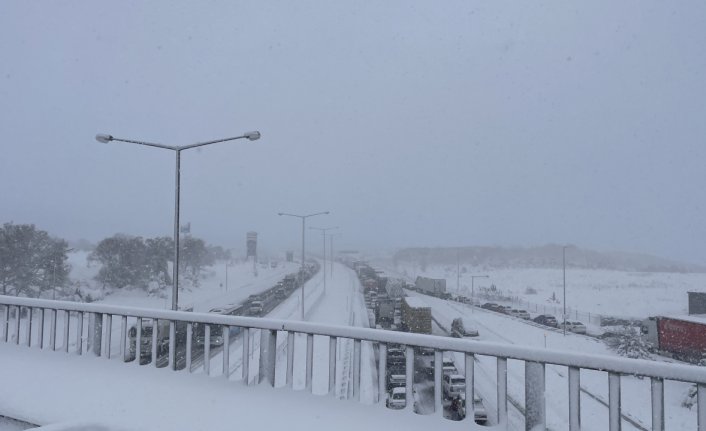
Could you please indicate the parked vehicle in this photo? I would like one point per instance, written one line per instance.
(397, 398)
(547, 320)
(458, 329)
(431, 286)
(522, 314)
(415, 315)
(385, 313)
(256, 308)
(453, 385)
(396, 381)
(576, 327)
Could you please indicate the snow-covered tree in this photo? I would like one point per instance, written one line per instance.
(31, 261)
(629, 342)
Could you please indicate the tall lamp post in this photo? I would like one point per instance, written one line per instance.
(303, 218)
(331, 251)
(563, 254)
(102, 138)
(323, 231)
(473, 287)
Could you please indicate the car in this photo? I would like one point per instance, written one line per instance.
(453, 385)
(479, 412)
(547, 320)
(459, 330)
(490, 306)
(397, 398)
(576, 327)
(505, 309)
(256, 308)
(522, 314)
(447, 367)
(396, 381)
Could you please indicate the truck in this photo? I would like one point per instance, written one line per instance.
(431, 286)
(385, 313)
(415, 315)
(394, 288)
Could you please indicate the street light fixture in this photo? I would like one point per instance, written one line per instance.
(104, 138)
(473, 287)
(303, 218)
(323, 231)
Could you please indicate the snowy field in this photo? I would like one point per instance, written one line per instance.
(613, 293)
(212, 292)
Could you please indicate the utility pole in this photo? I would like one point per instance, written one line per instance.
(458, 272)
(473, 288)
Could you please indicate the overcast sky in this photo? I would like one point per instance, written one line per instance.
(414, 123)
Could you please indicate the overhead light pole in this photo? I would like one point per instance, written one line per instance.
(323, 231)
(473, 288)
(303, 218)
(102, 138)
(331, 251)
(563, 254)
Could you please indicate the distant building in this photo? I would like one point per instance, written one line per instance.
(697, 302)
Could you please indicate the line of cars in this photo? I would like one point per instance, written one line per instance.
(543, 319)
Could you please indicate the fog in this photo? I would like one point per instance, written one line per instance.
(414, 123)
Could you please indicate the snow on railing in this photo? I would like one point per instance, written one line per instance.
(175, 342)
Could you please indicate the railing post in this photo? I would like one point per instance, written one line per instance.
(108, 334)
(332, 365)
(502, 390)
(189, 345)
(52, 330)
(356, 369)
(123, 338)
(271, 356)
(409, 378)
(207, 349)
(535, 412)
(172, 345)
(226, 351)
(614, 402)
(67, 321)
(290, 359)
(96, 330)
(309, 361)
(574, 399)
(138, 341)
(657, 386)
(470, 377)
(6, 322)
(29, 326)
(40, 332)
(18, 314)
(382, 372)
(438, 372)
(79, 332)
(155, 333)
(246, 356)
(701, 407)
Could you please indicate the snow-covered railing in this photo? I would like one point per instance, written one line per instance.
(23, 313)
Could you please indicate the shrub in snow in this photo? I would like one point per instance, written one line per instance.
(629, 342)
(530, 291)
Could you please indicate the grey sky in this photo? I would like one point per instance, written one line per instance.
(415, 123)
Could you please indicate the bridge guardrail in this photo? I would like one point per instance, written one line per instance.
(535, 360)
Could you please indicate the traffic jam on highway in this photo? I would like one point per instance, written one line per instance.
(389, 307)
(211, 340)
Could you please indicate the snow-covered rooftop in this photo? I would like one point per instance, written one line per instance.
(416, 302)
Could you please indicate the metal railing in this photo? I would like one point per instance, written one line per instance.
(20, 314)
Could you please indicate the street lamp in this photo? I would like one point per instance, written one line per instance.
(331, 251)
(563, 254)
(303, 218)
(323, 231)
(473, 290)
(252, 136)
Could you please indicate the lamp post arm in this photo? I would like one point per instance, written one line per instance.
(201, 144)
(148, 144)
